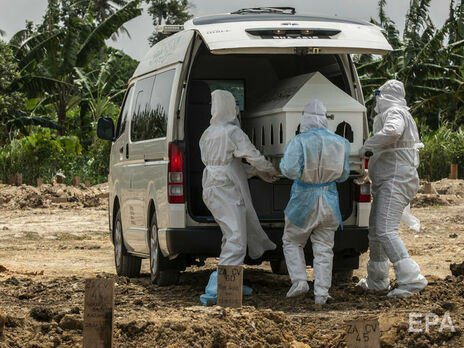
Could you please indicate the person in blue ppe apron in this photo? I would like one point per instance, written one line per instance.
(316, 160)
(226, 192)
(393, 171)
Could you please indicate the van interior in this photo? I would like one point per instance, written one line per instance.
(249, 77)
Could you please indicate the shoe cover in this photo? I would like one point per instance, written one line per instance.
(246, 290)
(321, 300)
(400, 293)
(210, 296)
(408, 277)
(377, 276)
(298, 288)
(363, 284)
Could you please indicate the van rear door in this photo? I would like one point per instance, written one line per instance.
(225, 34)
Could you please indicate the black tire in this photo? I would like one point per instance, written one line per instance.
(126, 265)
(342, 276)
(279, 266)
(162, 271)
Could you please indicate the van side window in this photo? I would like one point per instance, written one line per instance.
(150, 115)
(122, 120)
(159, 105)
(141, 110)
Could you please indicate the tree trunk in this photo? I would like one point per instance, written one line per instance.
(62, 113)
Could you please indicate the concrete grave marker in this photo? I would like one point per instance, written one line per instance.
(230, 282)
(98, 313)
(363, 333)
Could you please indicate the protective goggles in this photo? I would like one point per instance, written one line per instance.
(377, 93)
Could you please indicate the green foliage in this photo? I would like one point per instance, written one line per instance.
(100, 87)
(11, 102)
(70, 36)
(43, 154)
(38, 155)
(443, 147)
(427, 60)
(167, 12)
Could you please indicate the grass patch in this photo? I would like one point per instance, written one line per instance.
(32, 236)
(69, 236)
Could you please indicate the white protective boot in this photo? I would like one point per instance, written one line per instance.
(377, 276)
(409, 278)
(321, 300)
(299, 288)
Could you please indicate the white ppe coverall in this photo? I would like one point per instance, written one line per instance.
(225, 182)
(393, 172)
(316, 159)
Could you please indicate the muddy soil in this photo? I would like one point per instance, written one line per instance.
(52, 195)
(47, 253)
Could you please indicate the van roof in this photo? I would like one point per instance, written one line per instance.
(287, 33)
(229, 18)
(268, 33)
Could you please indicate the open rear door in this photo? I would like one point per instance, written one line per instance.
(292, 34)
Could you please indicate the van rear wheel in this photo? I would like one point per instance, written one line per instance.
(126, 265)
(279, 266)
(162, 271)
(343, 276)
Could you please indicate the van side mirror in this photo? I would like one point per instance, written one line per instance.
(105, 128)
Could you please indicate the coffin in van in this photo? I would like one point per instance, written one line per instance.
(274, 120)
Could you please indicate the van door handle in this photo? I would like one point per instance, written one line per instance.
(127, 151)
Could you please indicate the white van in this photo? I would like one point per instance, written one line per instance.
(274, 62)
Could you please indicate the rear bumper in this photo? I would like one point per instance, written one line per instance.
(206, 241)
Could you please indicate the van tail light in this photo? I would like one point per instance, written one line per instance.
(366, 163)
(175, 174)
(364, 193)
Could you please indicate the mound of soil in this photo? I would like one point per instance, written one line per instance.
(457, 269)
(25, 196)
(147, 315)
(426, 200)
(450, 187)
(446, 192)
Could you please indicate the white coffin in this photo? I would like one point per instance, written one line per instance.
(273, 121)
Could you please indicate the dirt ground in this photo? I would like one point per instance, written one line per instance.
(46, 253)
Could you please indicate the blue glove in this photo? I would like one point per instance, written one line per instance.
(209, 298)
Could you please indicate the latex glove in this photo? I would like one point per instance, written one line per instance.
(270, 176)
(363, 179)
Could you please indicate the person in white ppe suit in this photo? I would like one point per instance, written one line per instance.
(392, 170)
(226, 192)
(316, 159)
